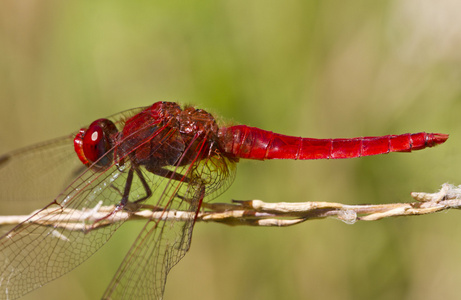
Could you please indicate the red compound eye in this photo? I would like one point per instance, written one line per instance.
(93, 145)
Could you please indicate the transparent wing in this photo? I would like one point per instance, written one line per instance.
(164, 241)
(63, 234)
(159, 246)
(85, 215)
(68, 230)
(30, 178)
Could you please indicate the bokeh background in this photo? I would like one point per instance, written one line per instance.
(307, 68)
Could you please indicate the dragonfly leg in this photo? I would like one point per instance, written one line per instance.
(168, 174)
(144, 184)
(126, 192)
(125, 202)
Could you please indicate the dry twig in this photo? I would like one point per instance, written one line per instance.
(256, 212)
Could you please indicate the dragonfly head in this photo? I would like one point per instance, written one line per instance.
(94, 145)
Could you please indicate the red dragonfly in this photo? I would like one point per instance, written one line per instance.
(160, 158)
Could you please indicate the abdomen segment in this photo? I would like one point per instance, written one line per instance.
(242, 141)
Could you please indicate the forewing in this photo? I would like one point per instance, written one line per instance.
(165, 240)
(31, 177)
(72, 227)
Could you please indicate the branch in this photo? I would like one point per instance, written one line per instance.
(252, 213)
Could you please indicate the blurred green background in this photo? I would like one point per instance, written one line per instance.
(311, 68)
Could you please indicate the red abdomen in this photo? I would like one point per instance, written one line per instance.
(253, 143)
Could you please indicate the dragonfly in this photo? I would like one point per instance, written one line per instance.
(162, 158)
